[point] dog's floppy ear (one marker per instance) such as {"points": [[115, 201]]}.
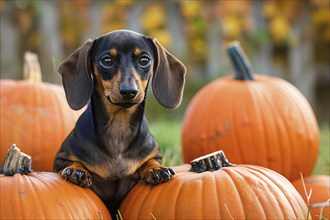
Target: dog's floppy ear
{"points": [[76, 76], [168, 78]]}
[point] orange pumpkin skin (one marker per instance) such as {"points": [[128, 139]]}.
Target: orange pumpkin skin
{"points": [[35, 116], [45, 195], [241, 192], [265, 121], [320, 186]]}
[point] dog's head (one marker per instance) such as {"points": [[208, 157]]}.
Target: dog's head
{"points": [[120, 64]]}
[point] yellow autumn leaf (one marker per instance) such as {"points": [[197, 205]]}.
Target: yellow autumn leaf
{"points": [[199, 46], [279, 28], [153, 17], [231, 26], [125, 3], [163, 36], [321, 16], [270, 9], [190, 9]]}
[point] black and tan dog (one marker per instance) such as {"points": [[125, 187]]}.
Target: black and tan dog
{"points": [[111, 148]]}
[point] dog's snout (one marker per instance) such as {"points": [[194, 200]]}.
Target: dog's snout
{"points": [[128, 92]]}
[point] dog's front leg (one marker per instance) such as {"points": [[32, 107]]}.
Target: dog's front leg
{"points": [[77, 173], [152, 172]]}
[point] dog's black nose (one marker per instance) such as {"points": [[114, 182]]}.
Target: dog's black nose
{"points": [[128, 93]]}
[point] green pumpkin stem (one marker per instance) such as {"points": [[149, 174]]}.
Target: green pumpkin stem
{"points": [[241, 64], [16, 162], [210, 162]]}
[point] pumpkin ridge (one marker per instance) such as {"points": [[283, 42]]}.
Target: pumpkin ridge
{"points": [[307, 126], [312, 124], [32, 187], [273, 176], [75, 212], [287, 159], [16, 180], [59, 192], [65, 204], [38, 100], [177, 208], [216, 190], [267, 185], [249, 96], [260, 117], [143, 202], [135, 192], [264, 118], [205, 112], [237, 141], [57, 99], [247, 207], [89, 205], [222, 203], [52, 185], [231, 173], [297, 162], [183, 179], [176, 211], [202, 195]]}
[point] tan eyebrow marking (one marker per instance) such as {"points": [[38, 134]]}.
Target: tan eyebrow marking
{"points": [[137, 52], [113, 52]]}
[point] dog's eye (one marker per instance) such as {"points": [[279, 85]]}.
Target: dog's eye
{"points": [[144, 61], [106, 62]]}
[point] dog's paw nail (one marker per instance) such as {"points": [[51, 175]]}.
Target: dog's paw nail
{"points": [[166, 175], [155, 177], [79, 174], [88, 182], [66, 172], [171, 171]]}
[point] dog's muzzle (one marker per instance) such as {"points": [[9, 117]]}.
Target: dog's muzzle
{"points": [[128, 93], [127, 102]]}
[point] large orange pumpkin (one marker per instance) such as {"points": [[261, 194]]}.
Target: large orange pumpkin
{"points": [[46, 195], [256, 119], [234, 192], [34, 115], [43, 195], [319, 186]]}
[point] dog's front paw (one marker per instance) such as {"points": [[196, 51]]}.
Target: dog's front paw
{"points": [[157, 175], [77, 176]]}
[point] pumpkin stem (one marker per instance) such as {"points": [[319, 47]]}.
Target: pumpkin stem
{"points": [[31, 68], [16, 162], [241, 64], [210, 162]]}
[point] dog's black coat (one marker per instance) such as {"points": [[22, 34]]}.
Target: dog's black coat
{"points": [[111, 148]]}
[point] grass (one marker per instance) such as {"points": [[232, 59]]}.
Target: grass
{"points": [[323, 162], [168, 135]]}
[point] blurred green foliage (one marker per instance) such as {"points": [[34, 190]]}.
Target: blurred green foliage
{"points": [[323, 162]]}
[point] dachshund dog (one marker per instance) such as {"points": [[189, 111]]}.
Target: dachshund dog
{"points": [[110, 147]]}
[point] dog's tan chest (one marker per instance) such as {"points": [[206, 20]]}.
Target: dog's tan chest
{"points": [[115, 168]]}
